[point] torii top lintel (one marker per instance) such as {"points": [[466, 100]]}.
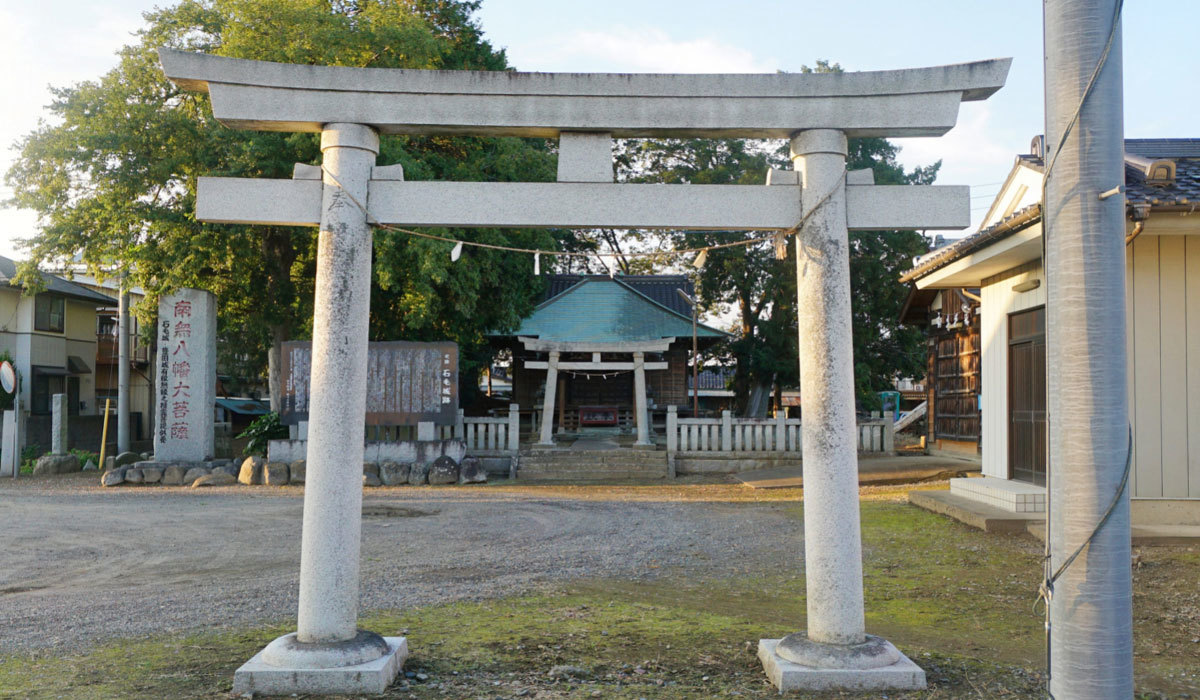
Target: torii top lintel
{"points": [[287, 97]]}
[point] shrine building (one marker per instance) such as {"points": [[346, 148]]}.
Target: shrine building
{"points": [[598, 348]]}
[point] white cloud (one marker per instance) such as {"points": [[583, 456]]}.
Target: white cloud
{"points": [[639, 50], [976, 152]]}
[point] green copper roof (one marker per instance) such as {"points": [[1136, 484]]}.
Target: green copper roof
{"points": [[607, 311]]}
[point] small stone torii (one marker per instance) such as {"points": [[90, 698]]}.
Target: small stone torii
{"points": [[351, 107]]}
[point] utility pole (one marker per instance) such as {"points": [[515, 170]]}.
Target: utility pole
{"points": [[1090, 604], [122, 368], [695, 357]]}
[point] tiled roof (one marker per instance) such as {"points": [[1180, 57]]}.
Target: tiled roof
{"points": [[660, 288], [1164, 148], [55, 284], [1017, 221], [602, 310], [1184, 191]]}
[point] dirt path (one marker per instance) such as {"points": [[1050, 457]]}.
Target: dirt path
{"points": [[81, 563]]}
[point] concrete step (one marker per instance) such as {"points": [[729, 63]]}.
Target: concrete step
{"points": [[522, 472], [568, 466], [567, 459], [590, 476], [590, 466]]}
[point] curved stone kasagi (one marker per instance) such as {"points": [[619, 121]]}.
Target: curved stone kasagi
{"points": [[287, 97]]}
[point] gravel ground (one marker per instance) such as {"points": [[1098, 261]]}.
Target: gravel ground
{"points": [[81, 564]]}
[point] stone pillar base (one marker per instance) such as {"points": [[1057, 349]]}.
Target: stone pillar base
{"points": [[787, 676], [258, 677]]}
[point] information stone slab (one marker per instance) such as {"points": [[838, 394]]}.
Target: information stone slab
{"points": [[407, 383], [186, 376], [58, 424]]}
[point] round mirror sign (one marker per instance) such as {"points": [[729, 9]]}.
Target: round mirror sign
{"points": [[8, 377]]}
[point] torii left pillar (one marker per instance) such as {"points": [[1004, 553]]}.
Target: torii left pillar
{"points": [[328, 653]]}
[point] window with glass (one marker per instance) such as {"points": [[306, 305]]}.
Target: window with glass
{"points": [[49, 313]]}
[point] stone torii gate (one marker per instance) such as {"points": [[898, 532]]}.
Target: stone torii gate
{"points": [[351, 107]]}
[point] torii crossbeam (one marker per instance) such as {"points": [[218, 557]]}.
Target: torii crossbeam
{"points": [[350, 107]]}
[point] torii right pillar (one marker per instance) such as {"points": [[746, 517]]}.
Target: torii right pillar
{"points": [[834, 652]]}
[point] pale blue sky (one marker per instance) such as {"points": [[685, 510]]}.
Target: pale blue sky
{"points": [[59, 42]]}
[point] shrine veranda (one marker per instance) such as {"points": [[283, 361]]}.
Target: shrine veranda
{"points": [[349, 192]]}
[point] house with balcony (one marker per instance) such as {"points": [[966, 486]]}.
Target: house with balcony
{"points": [[51, 337]]}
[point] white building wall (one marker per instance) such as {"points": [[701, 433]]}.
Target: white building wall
{"points": [[1163, 345], [1163, 307], [999, 300]]}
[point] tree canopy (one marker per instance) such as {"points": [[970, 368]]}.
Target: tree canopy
{"points": [[761, 289], [112, 176]]}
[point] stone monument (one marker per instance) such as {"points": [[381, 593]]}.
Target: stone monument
{"points": [[60, 460], [819, 201], [186, 376]]}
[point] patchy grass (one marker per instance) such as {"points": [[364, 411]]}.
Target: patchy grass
{"points": [[956, 600]]}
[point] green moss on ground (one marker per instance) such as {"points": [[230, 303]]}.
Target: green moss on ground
{"points": [[956, 600]]}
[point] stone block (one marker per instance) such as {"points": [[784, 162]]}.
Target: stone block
{"points": [[151, 475], [133, 475], [90, 466], [394, 473], [215, 479], [251, 472], [370, 468], [296, 471], [371, 480], [276, 474], [429, 451], [418, 474], [471, 471], [788, 676], [126, 458], [113, 478], [443, 471], [173, 475], [404, 452], [257, 677], [56, 464], [110, 463], [190, 476], [58, 424], [286, 450], [455, 449]]}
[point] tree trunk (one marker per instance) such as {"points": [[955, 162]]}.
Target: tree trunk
{"points": [[279, 334]]}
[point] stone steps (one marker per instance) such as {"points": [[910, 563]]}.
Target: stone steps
{"points": [[580, 477], [606, 465]]}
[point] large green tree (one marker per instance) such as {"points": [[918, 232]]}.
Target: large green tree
{"points": [[112, 176], [761, 288]]}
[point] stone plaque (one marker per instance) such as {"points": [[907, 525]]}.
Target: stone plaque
{"points": [[186, 376], [407, 383]]}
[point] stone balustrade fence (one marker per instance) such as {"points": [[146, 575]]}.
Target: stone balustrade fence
{"points": [[778, 434], [487, 437]]}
